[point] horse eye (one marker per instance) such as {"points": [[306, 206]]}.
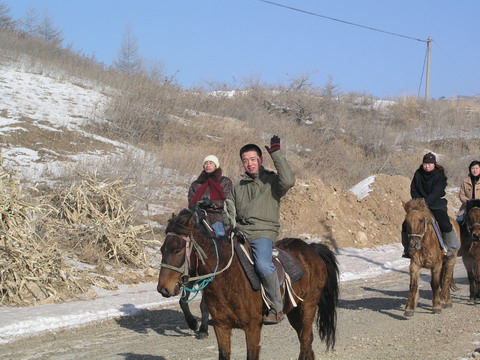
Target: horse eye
{"points": [[177, 251]]}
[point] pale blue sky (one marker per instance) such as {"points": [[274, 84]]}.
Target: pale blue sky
{"points": [[229, 42]]}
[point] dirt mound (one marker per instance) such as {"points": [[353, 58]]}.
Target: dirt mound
{"points": [[313, 210]]}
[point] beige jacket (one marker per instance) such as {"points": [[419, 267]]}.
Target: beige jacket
{"points": [[466, 191]]}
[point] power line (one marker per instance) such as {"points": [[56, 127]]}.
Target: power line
{"points": [[342, 21]]}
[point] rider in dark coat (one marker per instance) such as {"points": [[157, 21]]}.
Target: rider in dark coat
{"points": [[429, 183]]}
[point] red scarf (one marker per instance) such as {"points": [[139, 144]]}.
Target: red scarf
{"points": [[216, 191]]}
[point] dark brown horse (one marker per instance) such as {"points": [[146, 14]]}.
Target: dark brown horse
{"points": [[190, 253], [425, 252], [471, 248]]}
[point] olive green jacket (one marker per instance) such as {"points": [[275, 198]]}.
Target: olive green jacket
{"points": [[257, 199]]}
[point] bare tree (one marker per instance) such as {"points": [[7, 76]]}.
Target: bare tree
{"points": [[6, 21], [128, 60], [47, 31], [30, 21]]}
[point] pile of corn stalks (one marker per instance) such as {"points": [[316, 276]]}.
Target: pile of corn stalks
{"points": [[31, 269], [93, 213]]}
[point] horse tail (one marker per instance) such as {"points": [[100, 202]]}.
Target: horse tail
{"points": [[327, 305]]}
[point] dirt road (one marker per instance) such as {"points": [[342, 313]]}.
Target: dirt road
{"points": [[370, 326]]}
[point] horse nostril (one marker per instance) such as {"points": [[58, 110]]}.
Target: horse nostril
{"points": [[164, 292]]}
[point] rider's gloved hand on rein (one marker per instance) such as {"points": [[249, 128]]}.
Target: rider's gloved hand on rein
{"points": [[205, 203], [274, 144]]}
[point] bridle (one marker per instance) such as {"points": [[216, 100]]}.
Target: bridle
{"points": [[471, 226], [420, 237], [191, 246]]}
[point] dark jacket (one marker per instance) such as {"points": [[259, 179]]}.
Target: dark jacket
{"points": [[257, 199], [216, 209], [431, 187]]}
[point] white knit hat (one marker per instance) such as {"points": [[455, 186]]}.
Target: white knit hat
{"points": [[213, 159]]}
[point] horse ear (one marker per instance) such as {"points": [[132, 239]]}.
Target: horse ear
{"points": [[404, 204]]}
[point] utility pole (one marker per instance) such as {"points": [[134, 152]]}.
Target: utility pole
{"points": [[427, 85]]}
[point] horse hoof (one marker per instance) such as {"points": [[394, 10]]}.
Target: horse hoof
{"points": [[471, 301], [447, 305], [408, 313], [436, 311], [201, 335]]}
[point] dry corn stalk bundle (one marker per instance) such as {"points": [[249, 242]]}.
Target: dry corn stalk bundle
{"points": [[31, 270], [95, 211]]}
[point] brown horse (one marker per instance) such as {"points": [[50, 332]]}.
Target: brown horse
{"points": [[471, 248], [189, 253], [425, 252]]}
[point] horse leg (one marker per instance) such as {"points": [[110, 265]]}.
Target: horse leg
{"points": [[413, 290], [203, 330], [224, 335], [468, 261], [435, 284], [252, 337], [191, 321], [301, 318], [447, 281]]}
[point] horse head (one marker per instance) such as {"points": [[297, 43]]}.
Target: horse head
{"points": [[183, 253], [174, 272], [473, 219], [417, 217]]}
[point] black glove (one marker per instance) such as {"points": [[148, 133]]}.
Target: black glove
{"points": [[195, 208], [206, 203], [274, 144]]}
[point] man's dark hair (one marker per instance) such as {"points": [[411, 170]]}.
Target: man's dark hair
{"points": [[250, 147]]}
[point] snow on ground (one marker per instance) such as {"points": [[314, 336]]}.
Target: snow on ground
{"points": [[47, 99], [362, 189], [129, 300]]}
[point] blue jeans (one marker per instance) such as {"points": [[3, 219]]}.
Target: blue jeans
{"points": [[262, 256], [219, 229]]}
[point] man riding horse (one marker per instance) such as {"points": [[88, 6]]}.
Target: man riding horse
{"points": [[256, 200]]}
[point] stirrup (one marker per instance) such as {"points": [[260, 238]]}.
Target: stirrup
{"points": [[449, 255]]}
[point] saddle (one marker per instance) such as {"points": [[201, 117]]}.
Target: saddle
{"points": [[288, 269]]}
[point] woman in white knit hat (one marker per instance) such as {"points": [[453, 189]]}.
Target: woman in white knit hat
{"points": [[209, 192]]}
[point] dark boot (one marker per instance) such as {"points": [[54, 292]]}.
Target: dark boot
{"points": [[272, 290], [451, 241], [406, 244]]}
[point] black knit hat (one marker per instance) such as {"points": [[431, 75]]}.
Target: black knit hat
{"points": [[429, 158]]}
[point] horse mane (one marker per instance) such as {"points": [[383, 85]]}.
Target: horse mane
{"points": [[473, 203], [180, 224], [417, 204], [184, 223]]}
